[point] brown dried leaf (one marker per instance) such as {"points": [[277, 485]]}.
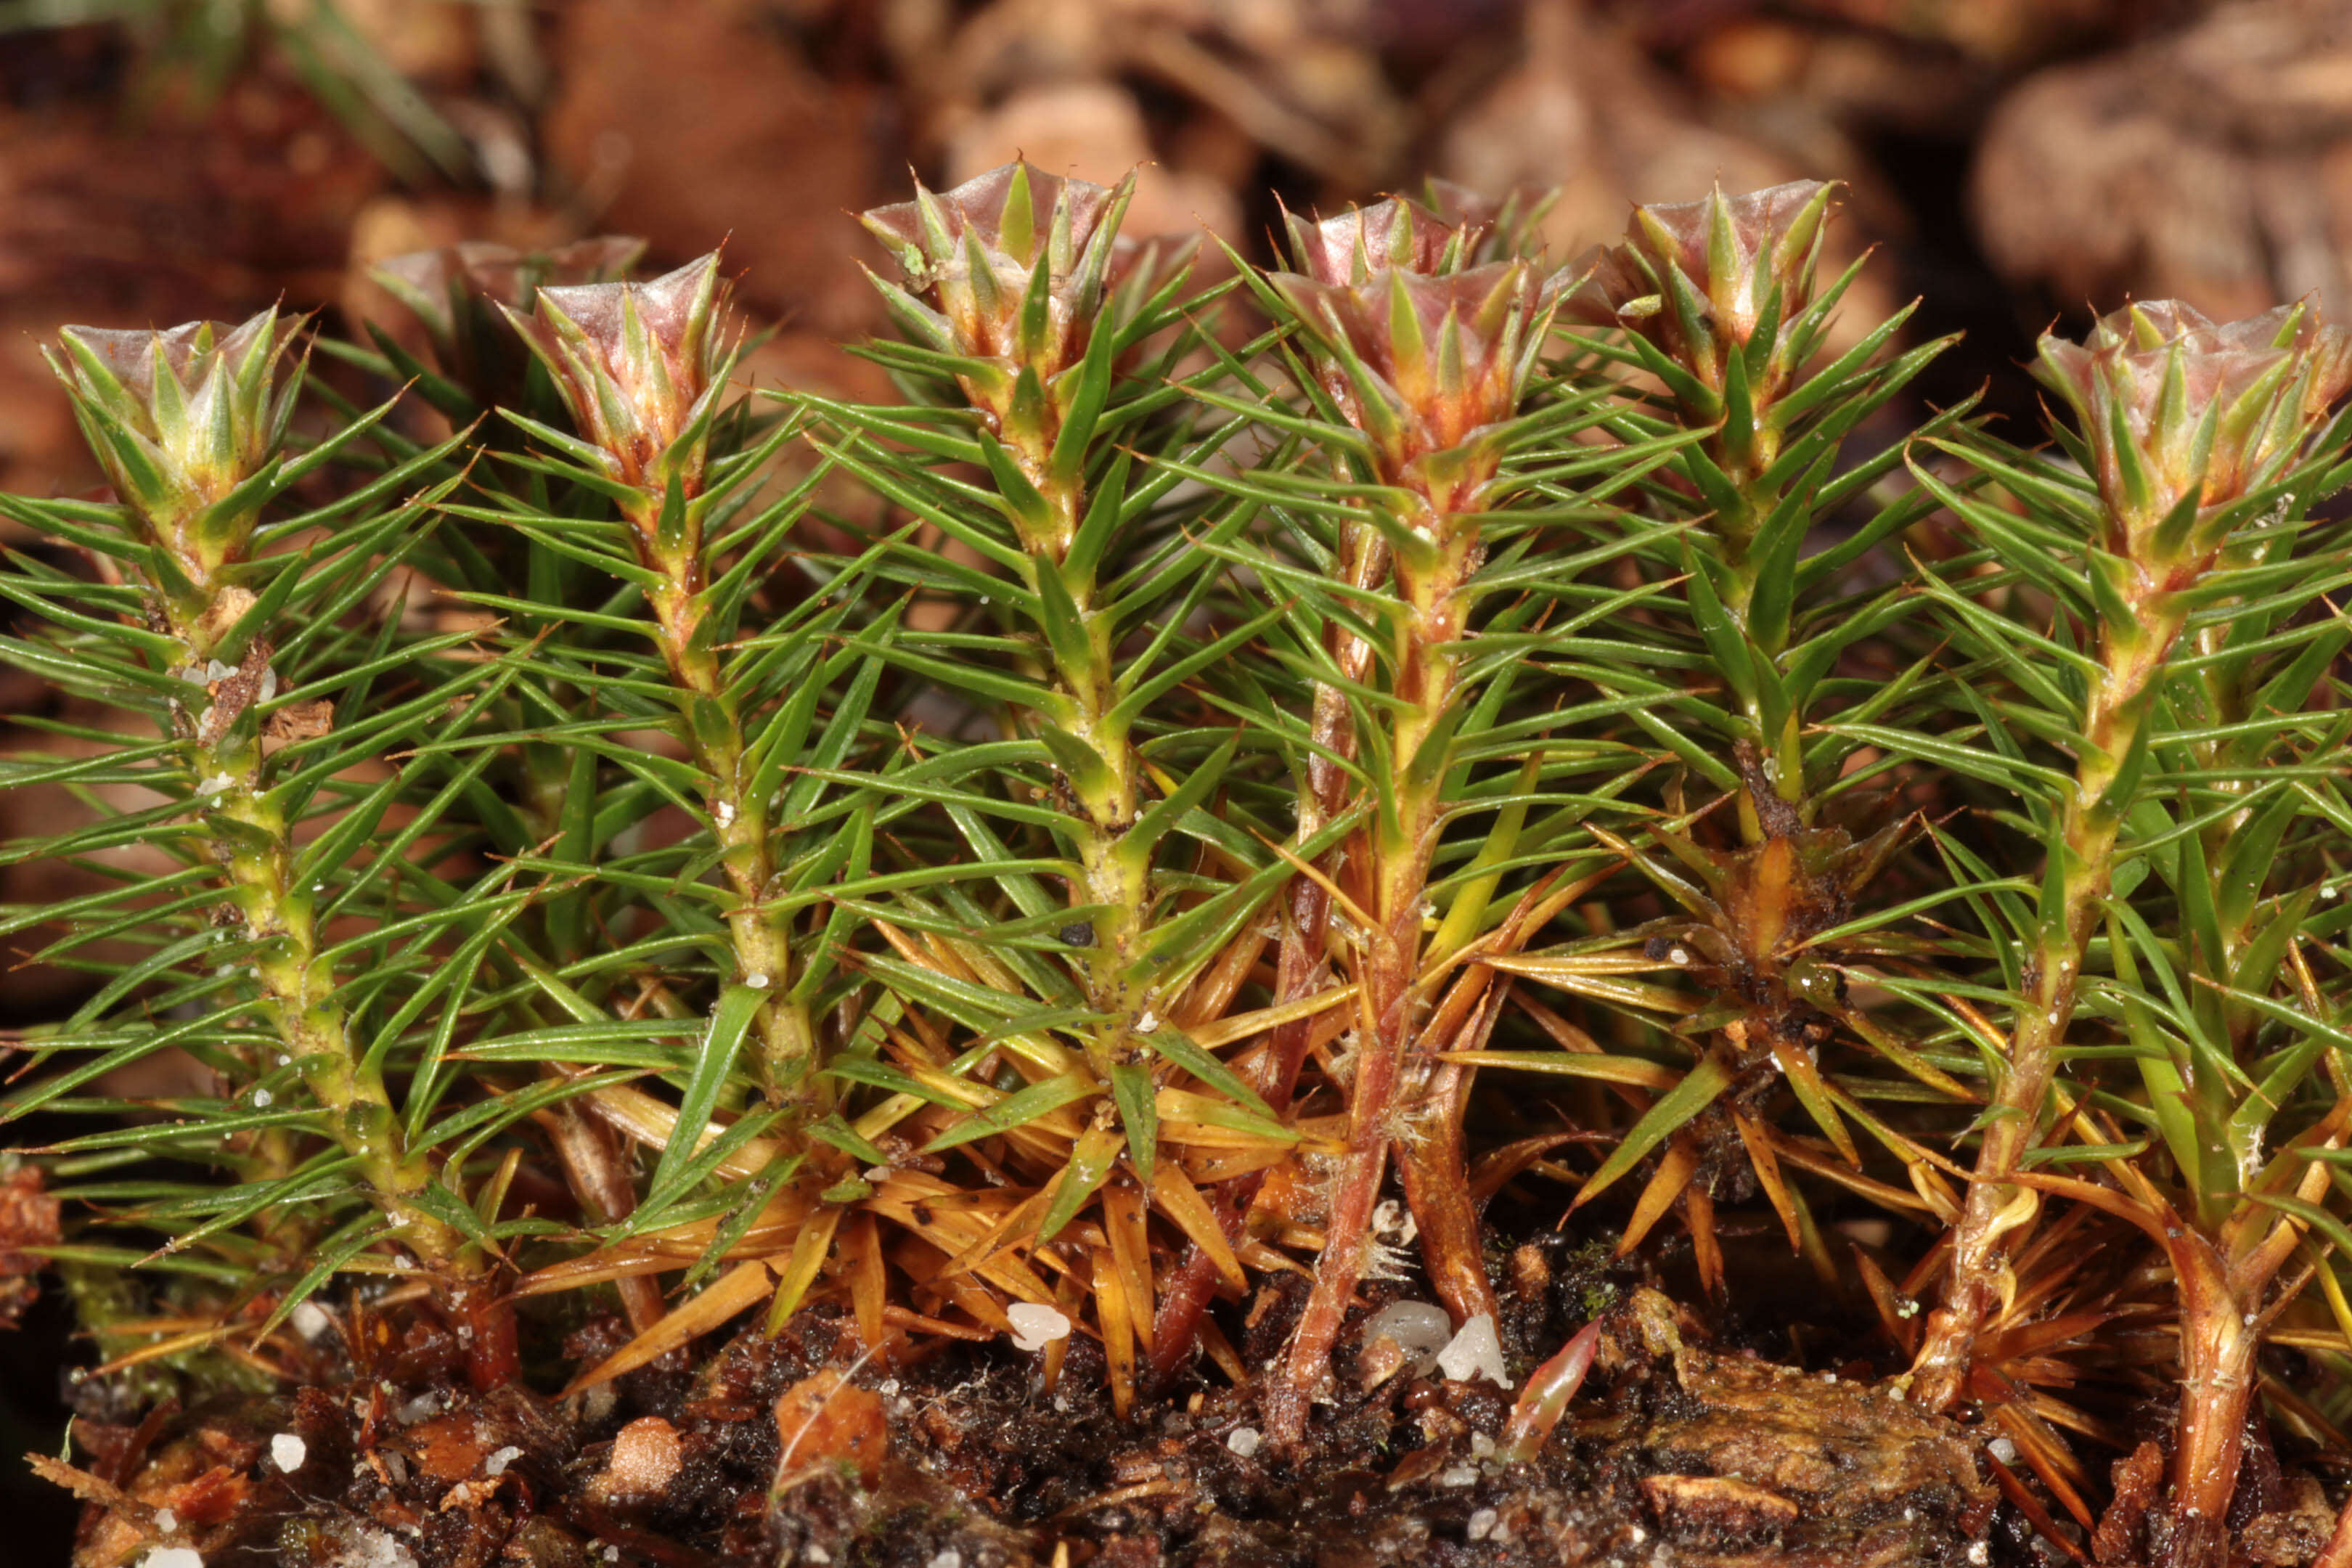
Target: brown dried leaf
{"points": [[826, 1420], [298, 722], [28, 1218], [2138, 1479], [731, 1293]]}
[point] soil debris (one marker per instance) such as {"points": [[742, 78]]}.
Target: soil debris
{"points": [[28, 1218], [806, 1449]]}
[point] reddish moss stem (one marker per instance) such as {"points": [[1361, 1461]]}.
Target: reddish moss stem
{"points": [[1303, 968], [1391, 1098]]}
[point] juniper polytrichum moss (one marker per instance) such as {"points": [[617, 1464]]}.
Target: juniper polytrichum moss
{"points": [[1230, 771]]}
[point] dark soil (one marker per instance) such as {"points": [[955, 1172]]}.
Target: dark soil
{"points": [[802, 1450]]}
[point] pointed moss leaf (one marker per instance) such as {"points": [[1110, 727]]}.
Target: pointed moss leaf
{"points": [[832, 1130], [1092, 541], [1016, 1110], [1699, 1088], [1724, 636], [2248, 856], [1067, 463], [714, 1065], [1172, 1045], [1135, 846], [1022, 504], [1087, 773], [1137, 1097], [1065, 625], [1779, 540], [1092, 1160]]}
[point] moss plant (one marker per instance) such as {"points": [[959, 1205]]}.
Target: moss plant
{"points": [[1232, 773]]}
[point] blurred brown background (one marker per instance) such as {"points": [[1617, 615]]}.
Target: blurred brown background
{"points": [[2019, 160]]}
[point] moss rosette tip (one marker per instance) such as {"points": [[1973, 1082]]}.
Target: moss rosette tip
{"points": [[971, 257], [1422, 363], [455, 292], [1693, 277], [2176, 410], [640, 367], [178, 418], [1395, 235]]}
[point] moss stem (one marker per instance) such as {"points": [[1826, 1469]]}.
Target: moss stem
{"points": [[251, 840], [1391, 1102], [2131, 660], [712, 727]]}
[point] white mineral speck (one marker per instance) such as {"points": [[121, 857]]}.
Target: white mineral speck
{"points": [[950, 1558], [290, 1451], [816, 1555], [261, 1098], [1458, 1475], [1243, 1440], [166, 1521], [173, 1557], [309, 1320], [1481, 1525], [1420, 1330], [877, 1172], [213, 786], [1149, 1022], [2003, 1449], [374, 1549], [1035, 1327], [756, 982], [1637, 1535], [724, 815], [1678, 954], [496, 1465], [1476, 1351], [1980, 1553]]}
